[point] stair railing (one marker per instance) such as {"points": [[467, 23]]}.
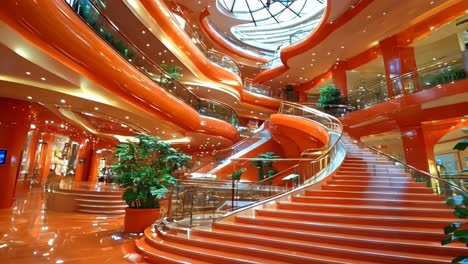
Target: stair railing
{"points": [[438, 185]]}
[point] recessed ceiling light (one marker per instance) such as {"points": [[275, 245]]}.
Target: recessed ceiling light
{"points": [[42, 78], [28, 73], [63, 101], [147, 44], [29, 97], [143, 32], [96, 108], [127, 117]]}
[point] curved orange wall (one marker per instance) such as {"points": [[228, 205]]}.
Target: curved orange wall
{"points": [[61, 34], [158, 10]]}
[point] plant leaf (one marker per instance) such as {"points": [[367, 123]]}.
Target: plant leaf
{"points": [[451, 228]]}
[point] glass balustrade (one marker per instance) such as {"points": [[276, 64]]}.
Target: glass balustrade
{"points": [[214, 56], [422, 79], [444, 187], [290, 96], [90, 12], [198, 202]]}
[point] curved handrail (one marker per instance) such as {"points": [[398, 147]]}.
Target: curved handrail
{"points": [[413, 169], [164, 79]]}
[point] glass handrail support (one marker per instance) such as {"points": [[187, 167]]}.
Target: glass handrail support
{"points": [[93, 15]]}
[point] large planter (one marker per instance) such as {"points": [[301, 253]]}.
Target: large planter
{"points": [[136, 220]]}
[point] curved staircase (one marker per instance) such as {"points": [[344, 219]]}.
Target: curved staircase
{"points": [[370, 211]]}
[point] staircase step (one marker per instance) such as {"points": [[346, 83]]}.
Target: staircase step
{"points": [[374, 201], [400, 190], [372, 178], [366, 209], [371, 220], [368, 173], [313, 251], [205, 252], [376, 183], [91, 211], [284, 237], [373, 194], [93, 201], [155, 255]]}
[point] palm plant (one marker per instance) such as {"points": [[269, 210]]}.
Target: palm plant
{"points": [[264, 165]]}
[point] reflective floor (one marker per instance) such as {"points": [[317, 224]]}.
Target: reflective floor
{"points": [[29, 233]]}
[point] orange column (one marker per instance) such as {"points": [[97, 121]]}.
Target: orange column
{"points": [[45, 160], [31, 153], [414, 146], [339, 77], [399, 60], [84, 160], [14, 127]]}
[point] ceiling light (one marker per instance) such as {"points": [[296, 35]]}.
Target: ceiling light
{"points": [[28, 73], [127, 117], [143, 32], [29, 97], [147, 45], [96, 108], [42, 78], [63, 101]]}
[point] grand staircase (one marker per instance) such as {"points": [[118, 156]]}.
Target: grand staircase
{"points": [[370, 211]]}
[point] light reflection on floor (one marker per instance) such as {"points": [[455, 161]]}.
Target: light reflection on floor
{"points": [[29, 233]]}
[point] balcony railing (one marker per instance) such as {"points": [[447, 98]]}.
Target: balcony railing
{"points": [[422, 79], [93, 15], [268, 91]]}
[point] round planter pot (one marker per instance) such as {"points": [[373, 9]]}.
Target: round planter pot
{"points": [[137, 220]]}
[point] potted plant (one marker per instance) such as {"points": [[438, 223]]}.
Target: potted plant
{"points": [[265, 167], [329, 94], [235, 177], [145, 171]]}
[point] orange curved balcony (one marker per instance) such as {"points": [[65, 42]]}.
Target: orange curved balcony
{"points": [[54, 34]]}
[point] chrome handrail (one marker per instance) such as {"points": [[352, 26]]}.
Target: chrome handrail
{"points": [[424, 173]]}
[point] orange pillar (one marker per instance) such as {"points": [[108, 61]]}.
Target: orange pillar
{"points": [[84, 160], [30, 155], [399, 60], [14, 127], [414, 146], [45, 160], [339, 77]]}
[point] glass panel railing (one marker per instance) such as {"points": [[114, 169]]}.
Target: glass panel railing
{"points": [[290, 96], [336, 110], [214, 56], [273, 63], [219, 198], [92, 14], [439, 185], [422, 79], [203, 167]]}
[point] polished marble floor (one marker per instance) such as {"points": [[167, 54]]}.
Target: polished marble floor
{"points": [[29, 233]]}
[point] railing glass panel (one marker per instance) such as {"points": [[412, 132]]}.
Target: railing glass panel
{"points": [[220, 197], [91, 13]]}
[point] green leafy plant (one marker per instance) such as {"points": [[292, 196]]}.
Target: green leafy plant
{"points": [[172, 71], [453, 231], [85, 9], [329, 95], [265, 167], [236, 176], [145, 169]]}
